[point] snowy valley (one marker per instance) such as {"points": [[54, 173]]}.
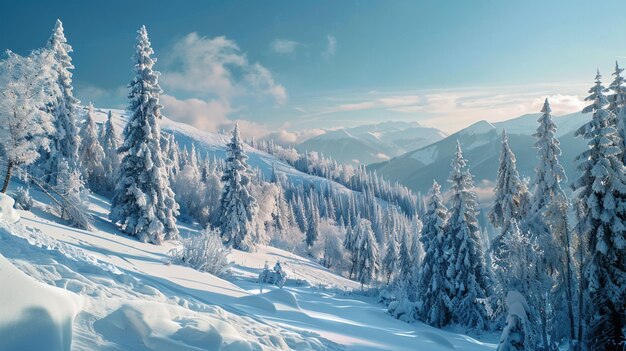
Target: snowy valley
{"points": [[136, 228]]}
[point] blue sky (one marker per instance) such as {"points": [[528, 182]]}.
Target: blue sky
{"points": [[298, 66]]}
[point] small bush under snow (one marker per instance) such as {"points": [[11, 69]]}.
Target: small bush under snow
{"points": [[276, 276], [204, 252], [23, 200]]}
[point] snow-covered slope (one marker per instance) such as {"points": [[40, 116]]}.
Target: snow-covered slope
{"points": [[373, 142], [481, 146], [213, 144], [133, 299]]}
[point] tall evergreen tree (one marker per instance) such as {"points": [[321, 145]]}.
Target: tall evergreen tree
{"points": [[547, 222], [434, 287], [467, 266], [601, 189], [617, 100], [111, 161], [549, 173], [366, 267], [511, 199], [91, 154], [238, 207], [143, 202], [312, 231], [390, 261], [64, 140]]}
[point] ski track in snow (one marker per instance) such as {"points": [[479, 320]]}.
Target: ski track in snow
{"points": [[134, 300]]}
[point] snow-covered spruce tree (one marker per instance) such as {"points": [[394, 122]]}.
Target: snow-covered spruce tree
{"points": [[617, 100], [64, 140], [91, 154], [601, 189], [390, 261], [350, 243], [312, 231], [467, 268], [280, 220], [111, 161], [366, 267], [511, 202], [405, 267], [416, 249], [433, 288], [143, 202], [237, 206], [26, 85], [547, 221]]}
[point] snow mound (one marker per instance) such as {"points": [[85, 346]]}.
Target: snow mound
{"points": [[257, 301], [154, 326], [516, 304], [34, 316], [7, 212], [282, 297]]}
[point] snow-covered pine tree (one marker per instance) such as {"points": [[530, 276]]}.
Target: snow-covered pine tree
{"points": [[390, 261], [238, 207], [617, 100], [64, 140], [143, 202], [312, 231], [111, 161], [548, 173], [26, 84], [350, 243], [415, 226], [547, 221], [434, 286], [601, 189], [405, 262], [366, 267], [91, 154], [511, 201], [467, 267]]}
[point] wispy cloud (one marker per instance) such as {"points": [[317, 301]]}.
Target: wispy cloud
{"points": [[451, 109], [331, 47], [284, 46], [218, 67], [214, 74]]}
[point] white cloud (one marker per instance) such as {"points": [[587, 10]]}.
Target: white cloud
{"points": [[209, 115], [453, 109], [286, 137], [331, 47], [216, 75], [284, 46], [216, 66]]}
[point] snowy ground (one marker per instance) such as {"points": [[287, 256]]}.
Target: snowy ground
{"points": [[128, 297]]}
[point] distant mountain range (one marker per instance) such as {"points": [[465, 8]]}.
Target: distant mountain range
{"points": [[373, 142], [481, 143]]}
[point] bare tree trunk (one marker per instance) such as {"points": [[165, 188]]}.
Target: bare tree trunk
{"points": [[569, 283], [581, 283], [7, 178]]}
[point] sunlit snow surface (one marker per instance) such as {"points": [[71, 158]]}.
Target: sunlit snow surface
{"points": [[132, 300]]}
